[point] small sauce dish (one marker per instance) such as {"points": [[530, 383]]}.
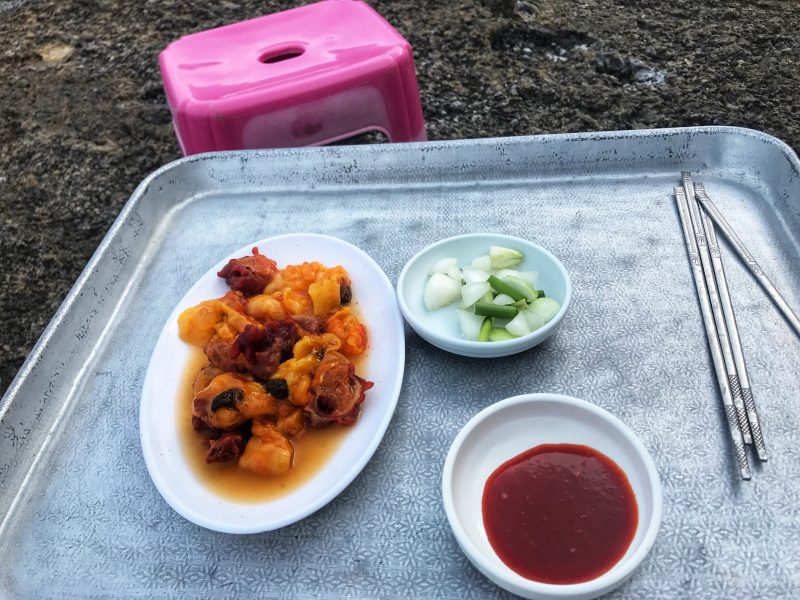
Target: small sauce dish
{"points": [[512, 426], [441, 328]]}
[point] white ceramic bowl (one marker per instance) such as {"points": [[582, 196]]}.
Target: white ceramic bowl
{"points": [[441, 328], [164, 456], [507, 428]]}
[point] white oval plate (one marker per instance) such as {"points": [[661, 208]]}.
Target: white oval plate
{"points": [[157, 417]]}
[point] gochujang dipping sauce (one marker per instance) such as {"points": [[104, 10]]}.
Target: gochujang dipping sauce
{"points": [[559, 513]]}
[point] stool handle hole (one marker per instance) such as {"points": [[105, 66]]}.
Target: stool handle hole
{"points": [[276, 56]]}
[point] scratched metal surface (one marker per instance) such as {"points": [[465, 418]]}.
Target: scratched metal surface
{"points": [[81, 518]]}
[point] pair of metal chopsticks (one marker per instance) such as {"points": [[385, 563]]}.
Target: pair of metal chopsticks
{"points": [[718, 315]]}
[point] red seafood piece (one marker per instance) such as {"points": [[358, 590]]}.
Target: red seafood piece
{"points": [[249, 274], [310, 324], [264, 348], [203, 428], [336, 392], [219, 354], [229, 446]]}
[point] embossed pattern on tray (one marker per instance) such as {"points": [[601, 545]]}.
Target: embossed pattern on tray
{"points": [[89, 523]]}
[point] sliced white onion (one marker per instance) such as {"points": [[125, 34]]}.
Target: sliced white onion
{"points": [[530, 277], [503, 258], [470, 324], [518, 325], [486, 299], [483, 263], [501, 273], [521, 286], [472, 292], [534, 320], [547, 308], [474, 275], [454, 273], [441, 290], [443, 265], [503, 300]]}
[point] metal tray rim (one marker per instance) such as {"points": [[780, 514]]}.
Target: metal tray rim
{"points": [[140, 190], [333, 157]]}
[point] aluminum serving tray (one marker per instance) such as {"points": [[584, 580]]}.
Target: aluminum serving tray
{"points": [[81, 518]]}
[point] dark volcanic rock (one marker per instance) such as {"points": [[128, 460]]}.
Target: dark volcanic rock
{"points": [[83, 117], [628, 70]]}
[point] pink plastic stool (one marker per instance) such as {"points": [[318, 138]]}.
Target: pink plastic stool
{"points": [[303, 77]]}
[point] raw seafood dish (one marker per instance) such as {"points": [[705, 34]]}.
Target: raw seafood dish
{"points": [[280, 347]]}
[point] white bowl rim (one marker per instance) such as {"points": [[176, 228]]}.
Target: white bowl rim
{"points": [[542, 332], [607, 580]]}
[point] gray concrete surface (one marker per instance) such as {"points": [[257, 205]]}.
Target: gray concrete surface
{"points": [[83, 117]]}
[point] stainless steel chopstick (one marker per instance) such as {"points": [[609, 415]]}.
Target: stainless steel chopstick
{"points": [[749, 261], [711, 334], [716, 306], [740, 378]]}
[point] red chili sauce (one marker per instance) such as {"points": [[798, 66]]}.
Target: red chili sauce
{"points": [[559, 513]]}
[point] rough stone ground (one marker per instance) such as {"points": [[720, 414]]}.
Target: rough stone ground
{"points": [[83, 117]]}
